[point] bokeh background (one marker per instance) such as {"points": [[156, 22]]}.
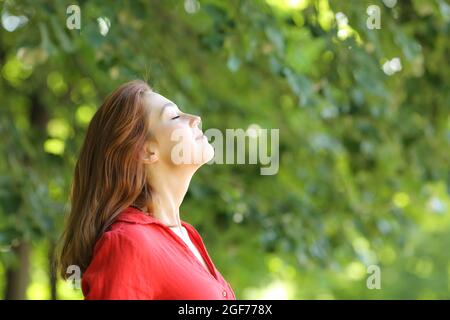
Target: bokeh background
{"points": [[363, 114]]}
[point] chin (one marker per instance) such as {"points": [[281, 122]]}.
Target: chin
{"points": [[203, 153], [208, 152]]}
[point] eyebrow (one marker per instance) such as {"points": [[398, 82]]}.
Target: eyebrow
{"points": [[169, 104]]}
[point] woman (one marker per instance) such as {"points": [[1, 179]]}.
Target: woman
{"points": [[124, 229]]}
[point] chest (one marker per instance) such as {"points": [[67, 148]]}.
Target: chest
{"points": [[184, 236], [183, 266]]}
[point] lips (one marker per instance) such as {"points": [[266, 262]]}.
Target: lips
{"points": [[199, 134]]}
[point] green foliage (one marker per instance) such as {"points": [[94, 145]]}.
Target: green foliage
{"points": [[364, 164]]}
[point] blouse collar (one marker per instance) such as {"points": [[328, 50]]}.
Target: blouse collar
{"points": [[134, 215]]}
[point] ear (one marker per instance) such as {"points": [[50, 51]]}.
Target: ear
{"points": [[150, 154]]}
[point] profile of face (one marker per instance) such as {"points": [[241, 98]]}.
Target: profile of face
{"points": [[175, 136]]}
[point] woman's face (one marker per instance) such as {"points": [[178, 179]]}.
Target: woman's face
{"points": [[175, 136]]}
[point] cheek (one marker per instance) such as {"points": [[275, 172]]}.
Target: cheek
{"points": [[173, 137]]}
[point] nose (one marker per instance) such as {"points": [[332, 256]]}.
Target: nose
{"points": [[195, 121]]}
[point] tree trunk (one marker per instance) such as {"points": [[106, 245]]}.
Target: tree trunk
{"points": [[17, 276], [52, 271]]}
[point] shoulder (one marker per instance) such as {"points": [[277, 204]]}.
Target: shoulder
{"points": [[136, 226], [130, 240], [122, 268], [126, 248], [134, 232]]}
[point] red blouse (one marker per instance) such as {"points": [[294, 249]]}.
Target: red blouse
{"points": [[139, 257]]}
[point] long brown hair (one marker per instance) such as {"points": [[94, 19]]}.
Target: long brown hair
{"points": [[109, 174]]}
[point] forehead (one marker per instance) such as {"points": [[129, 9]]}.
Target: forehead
{"points": [[155, 101]]}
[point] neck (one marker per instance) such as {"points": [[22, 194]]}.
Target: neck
{"points": [[168, 190]]}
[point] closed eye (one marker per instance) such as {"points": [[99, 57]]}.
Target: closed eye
{"points": [[175, 117]]}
